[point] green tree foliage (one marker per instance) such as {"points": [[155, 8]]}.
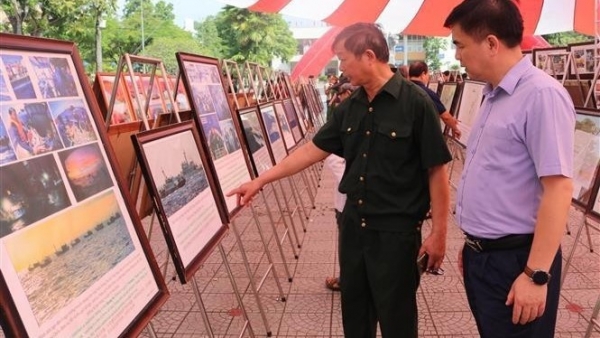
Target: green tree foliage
{"points": [[255, 37], [208, 36], [565, 38], [39, 17], [433, 46]]}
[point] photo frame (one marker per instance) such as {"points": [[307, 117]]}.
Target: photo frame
{"points": [[448, 94], [578, 90], [219, 131], [292, 117], [586, 157], [123, 109], [284, 125], [256, 138], [471, 96], [273, 131], [433, 85], [583, 59], [187, 198], [58, 274], [558, 57]]}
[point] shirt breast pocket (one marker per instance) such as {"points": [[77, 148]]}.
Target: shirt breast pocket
{"points": [[394, 141], [351, 138]]}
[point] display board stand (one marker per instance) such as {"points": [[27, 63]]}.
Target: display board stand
{"points": [[271, 269]]}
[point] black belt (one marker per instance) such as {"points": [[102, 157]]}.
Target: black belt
{"points": [[502, 243]]}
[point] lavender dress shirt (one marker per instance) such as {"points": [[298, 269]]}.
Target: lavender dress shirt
{"points": [[524, 131]]}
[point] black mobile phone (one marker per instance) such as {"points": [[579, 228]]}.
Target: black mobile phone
{"points": [[422, 263]]}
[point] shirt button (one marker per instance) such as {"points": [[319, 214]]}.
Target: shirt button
{"points": [[370, 109], [349, 129], [393, 134], [363, 224], [360, 202], [361, 178], [368, 133], [364, 154]]}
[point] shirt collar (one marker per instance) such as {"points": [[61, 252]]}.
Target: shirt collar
{"points": [[393, 87], [511, 79]]}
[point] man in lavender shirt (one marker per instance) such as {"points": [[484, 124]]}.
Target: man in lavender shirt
{"points": [[515, 190]]}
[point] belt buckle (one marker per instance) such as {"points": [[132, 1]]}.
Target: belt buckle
{"points": [[474, 244]]}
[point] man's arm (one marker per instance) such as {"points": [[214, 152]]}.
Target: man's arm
{"points": [[300, 159], [439, 190], [451, 122], [529, 299]]}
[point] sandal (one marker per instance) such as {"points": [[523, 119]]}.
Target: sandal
{"points": [[332, 283]]}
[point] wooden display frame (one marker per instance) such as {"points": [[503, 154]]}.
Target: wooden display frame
{"points": [[255, 137], [219, 131], [583, 59], [578, 91], [586, 164], [559, 59], [116, 292], [186, 196], [467, 108], [273, 132], [284, 126]]}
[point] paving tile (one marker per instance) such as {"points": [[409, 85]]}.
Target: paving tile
{"points": [[454, 323]]}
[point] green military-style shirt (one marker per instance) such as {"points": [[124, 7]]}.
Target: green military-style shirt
{"points": [[388, 144]]}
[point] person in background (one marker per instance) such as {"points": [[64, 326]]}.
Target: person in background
{"points": [[388, 132], [337, 165], [418, 73], [513, 199], [403, 71], [445, 76]]}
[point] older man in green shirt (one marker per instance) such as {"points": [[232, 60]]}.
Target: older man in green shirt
{"points": [[389, 134]]}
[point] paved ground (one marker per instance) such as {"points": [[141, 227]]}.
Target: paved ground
{"points": [[311, 310]]}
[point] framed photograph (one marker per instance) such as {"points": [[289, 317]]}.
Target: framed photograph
{"points": [[433, 85], [256, 139], [123, 110], [292, 117], [303, 120], [186, 196], [273, 131], [583, 59], [218, 130], [286, 130], [552, 60], [586, 158], [447, 97], [578, 90], [74, 258], [467, 109]]}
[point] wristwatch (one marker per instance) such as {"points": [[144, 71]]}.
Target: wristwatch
{"points": [[538, 277]]}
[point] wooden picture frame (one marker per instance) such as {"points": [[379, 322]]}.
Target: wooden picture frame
{"points": [[586, 157], [186, 196], [273, 131], [578, 90], [123, 110], [292, 116], [255, 136], [583, 58], [448, 93], [467, 108], [559, 58], [76, 260], [284, 125], [434, 85], [219, 131]]}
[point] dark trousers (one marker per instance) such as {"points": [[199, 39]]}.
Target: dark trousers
{"points": [[380, 280], [338, 221], [488, 278]]}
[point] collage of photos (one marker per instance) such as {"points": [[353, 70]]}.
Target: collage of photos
{"points": [[286, 131], [290, 112], [213, 109], [213, 114], [553, 61], [583, 58], [122, 108]]}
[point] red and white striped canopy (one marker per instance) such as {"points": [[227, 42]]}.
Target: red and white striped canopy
{"points": [[419, 17], [426, 17]]}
